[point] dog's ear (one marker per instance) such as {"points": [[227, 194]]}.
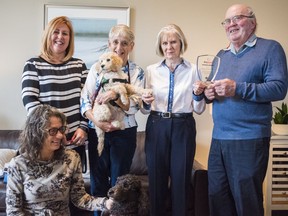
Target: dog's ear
{"points": [[143, 205], [116, 62]]}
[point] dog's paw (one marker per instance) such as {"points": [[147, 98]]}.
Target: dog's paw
{"points": [[147, 92], [124, 99], [116, 124]]}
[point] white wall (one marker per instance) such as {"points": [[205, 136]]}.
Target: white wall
{"points": [[21, 25]]}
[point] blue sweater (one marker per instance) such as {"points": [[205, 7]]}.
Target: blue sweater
{"points": [[260, 73]]}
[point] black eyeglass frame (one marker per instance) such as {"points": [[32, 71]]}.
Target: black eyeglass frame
{"points": [[236, 19], [54, 131]]}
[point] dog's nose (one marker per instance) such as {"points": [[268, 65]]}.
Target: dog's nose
{"points": [[102, 66]]}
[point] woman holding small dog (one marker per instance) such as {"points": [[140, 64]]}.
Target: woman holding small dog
{"points": [[45, 177], [171, 131], [56, 78], [120, 145]]}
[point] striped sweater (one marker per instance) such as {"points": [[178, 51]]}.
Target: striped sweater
{"points": [[58, 85]]}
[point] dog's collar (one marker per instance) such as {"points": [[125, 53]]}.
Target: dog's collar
{"points": [[106, 81], [113, 80]]}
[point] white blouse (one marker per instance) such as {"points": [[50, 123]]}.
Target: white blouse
{"points": [[158, 79]]}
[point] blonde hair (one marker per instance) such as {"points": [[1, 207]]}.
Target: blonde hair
{"points": [[171, 28], [121, 30], [46, 51]]}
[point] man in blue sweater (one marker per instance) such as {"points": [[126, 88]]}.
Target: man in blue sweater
{"points": [[252, 74]]}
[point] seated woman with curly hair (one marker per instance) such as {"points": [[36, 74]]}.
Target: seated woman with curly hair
{"points": [[46, 176]]}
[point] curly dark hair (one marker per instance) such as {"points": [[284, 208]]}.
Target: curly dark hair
{"points": [[129, 197], [35, 131]]}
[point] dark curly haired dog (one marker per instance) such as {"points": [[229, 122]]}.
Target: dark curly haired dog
{"points": [[130, 199]]}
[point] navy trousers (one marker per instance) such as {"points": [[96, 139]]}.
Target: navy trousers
{"points": [[115, 160], [236, 171], [170, 149]]}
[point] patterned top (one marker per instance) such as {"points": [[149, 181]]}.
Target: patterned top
{"points": [[58, 85], [89, 92], [45, 187]]}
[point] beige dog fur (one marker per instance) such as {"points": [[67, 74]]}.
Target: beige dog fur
{"points": [[109, 67]]}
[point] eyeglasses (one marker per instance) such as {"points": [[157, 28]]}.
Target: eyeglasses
{"points": [[235, 19], [123, 43], [54, 131]]}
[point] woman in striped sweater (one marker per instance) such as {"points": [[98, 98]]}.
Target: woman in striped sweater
{"points": [[56, 78]]}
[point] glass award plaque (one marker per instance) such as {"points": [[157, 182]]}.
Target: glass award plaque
{"points": [[207, 67]]}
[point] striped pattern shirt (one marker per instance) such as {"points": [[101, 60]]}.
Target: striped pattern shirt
{"points": [[58, 85]]}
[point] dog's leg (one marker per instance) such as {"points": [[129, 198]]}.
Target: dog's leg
{"points": [[116, 124], [132, 89], [121, 90], [118, 117], [100, 135], [101, 113]]}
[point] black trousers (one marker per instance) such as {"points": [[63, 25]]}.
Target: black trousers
{"points": [[170, 149]]}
